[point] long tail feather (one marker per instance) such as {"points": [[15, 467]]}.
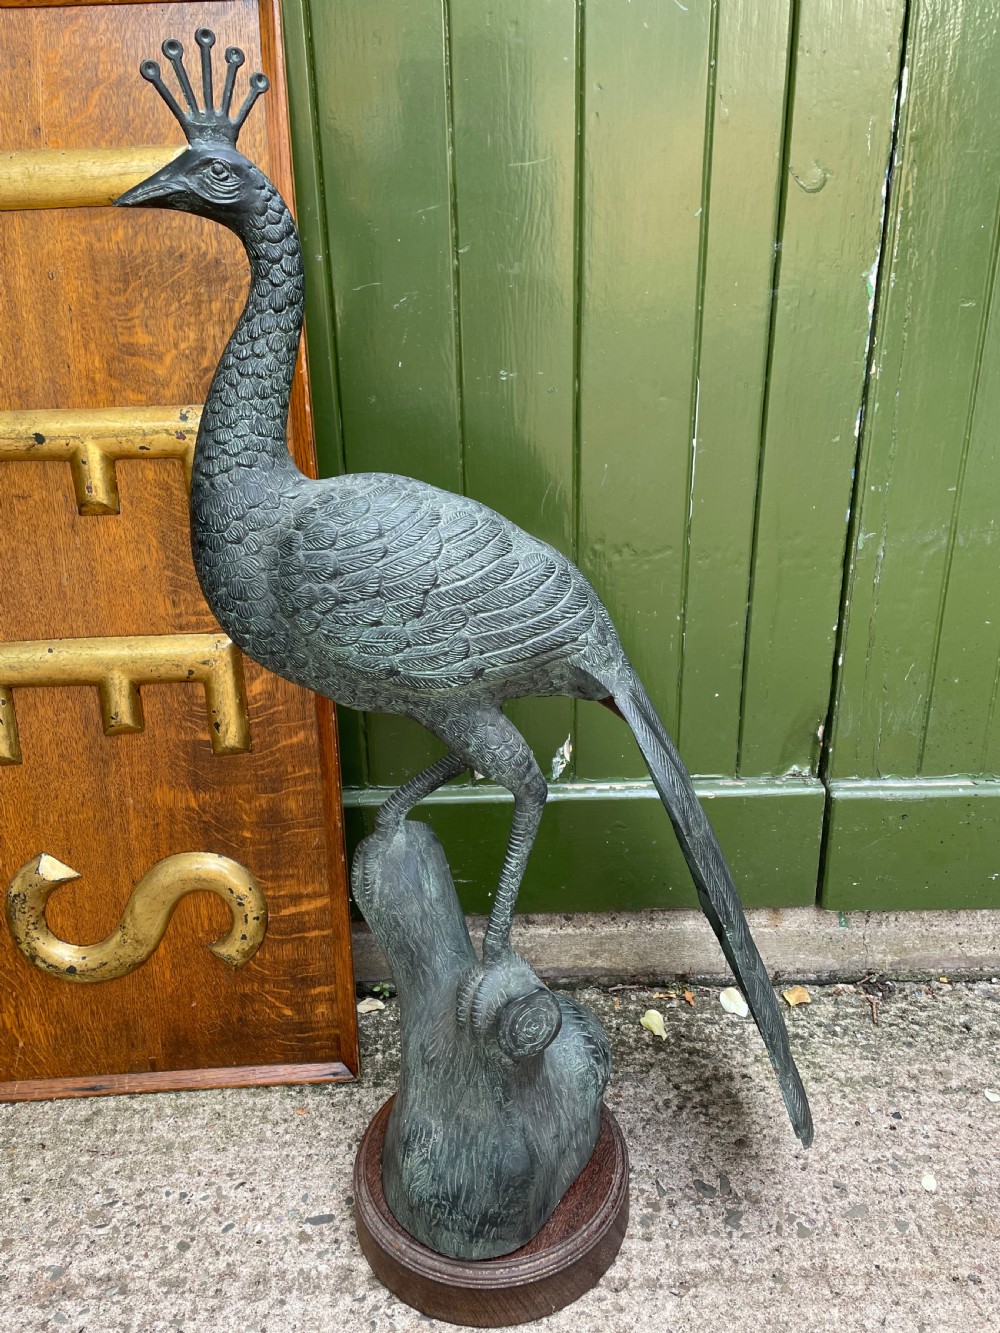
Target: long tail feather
{"points": [[716, 890]]}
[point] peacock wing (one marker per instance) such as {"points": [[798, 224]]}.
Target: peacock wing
{"points": [[405, 582]]}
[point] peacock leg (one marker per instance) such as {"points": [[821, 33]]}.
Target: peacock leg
{"points": [[491, 744], [395, 808], [529, 790]]}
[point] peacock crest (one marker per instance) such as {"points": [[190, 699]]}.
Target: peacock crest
{"points": [[206, 124]]}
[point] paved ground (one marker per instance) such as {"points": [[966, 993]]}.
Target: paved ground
{"points": [[230, 1211]]}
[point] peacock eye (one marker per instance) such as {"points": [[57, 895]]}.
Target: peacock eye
{"points": [[219, 182]]}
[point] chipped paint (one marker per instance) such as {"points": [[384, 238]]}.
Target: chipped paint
{"points": [[561, 759]]}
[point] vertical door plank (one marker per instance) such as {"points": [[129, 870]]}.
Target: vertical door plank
{"points": [[846, 71], [747, 122], [514, 96], [644, 88], [383, 130], [916, 698], [930, 343], [963, 734]]}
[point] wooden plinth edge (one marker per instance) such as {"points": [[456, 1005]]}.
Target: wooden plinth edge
{"points": [[172, 1080], [570, 1254]]}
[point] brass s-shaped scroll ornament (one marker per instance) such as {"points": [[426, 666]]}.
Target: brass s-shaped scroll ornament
{"points": [[144, 920]]}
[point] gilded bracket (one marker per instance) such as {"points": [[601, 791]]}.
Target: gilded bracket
{"points": [[92, 441], [119, 667], [144, 920]]}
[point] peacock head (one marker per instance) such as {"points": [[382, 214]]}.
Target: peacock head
{"points": [[211, 177]]}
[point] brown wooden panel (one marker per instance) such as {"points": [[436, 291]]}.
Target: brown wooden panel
{"points": [[125, 309]]}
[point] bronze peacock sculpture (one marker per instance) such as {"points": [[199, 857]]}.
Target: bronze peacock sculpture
{"points": [[387, 594]]}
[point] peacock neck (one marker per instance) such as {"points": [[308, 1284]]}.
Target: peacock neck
{"points": [[243, 428], [243, 474]]}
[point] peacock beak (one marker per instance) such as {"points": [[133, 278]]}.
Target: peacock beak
{"points": [[155, 191], [147, 193]]}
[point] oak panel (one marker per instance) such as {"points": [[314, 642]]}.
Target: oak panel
{"points": [[127, 309]]}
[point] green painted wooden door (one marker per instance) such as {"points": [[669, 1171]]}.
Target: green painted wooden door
{"points": [[610, 267], [914, 808]]}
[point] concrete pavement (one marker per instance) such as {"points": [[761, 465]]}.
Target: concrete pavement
{"points": [[230, 1211]]}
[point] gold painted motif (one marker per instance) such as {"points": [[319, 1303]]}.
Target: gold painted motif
{"points": [[93, 440], [75, 177], [119, 667], [144, 920]]}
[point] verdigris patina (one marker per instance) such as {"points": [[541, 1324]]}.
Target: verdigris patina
{"points": [[501, 1081], [387, 594]]}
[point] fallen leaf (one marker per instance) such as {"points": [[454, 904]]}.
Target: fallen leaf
{"points": [[928, 1182], [733, 1002], [652, 1020], [944, 981], [616, 1002], [797, 995], [991, 1094], [302, 1110], [689, 998], [369, 1005], [664, 995]]}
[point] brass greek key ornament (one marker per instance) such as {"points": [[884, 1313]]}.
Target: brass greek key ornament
{"points": [[144, 920], [93, 440], [118, 667]]}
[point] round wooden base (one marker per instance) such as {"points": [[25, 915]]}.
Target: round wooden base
{"points": [[570, 1254]]}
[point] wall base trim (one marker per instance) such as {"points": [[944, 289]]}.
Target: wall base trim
{"points": [[913, 843], [610, 845], [798, 944]]}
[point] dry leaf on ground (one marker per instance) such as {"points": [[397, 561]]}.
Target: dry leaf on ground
{"points": [[991, 1094], [797, 995], [369, 1005], [652, 1020], [689, 998], [733, 1002]]}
